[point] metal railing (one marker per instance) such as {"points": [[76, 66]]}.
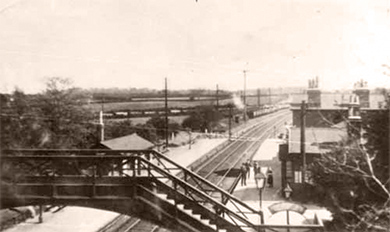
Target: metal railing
{"points": [[102, 167], [127, 163]]}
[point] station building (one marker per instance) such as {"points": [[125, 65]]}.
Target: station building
{"points": [[128, 142], [330, 118]]}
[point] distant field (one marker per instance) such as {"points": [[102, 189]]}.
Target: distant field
{"points": [[264, 100], [173, 103], [118, 106], [135, 121]]}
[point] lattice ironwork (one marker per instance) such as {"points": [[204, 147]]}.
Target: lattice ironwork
{"points": [[98, 173]]}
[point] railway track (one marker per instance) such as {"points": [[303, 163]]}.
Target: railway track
{"points": [[222, 169]]}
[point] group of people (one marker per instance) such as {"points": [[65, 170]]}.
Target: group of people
{"points": [[246, 172]]}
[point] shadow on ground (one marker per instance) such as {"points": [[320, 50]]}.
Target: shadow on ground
{"points": [[231, 173], [248, 194]]}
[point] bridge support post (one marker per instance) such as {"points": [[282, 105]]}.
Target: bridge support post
{"points": [[40, 217], [288, 217], [149, 169], [94, 173], [185, 180], [120, 168], [175, 198], [53, 186], [133, 177]]}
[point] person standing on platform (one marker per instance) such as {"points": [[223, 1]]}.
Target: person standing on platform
{"points": [[270, 178], [256, 168], [243, 174], [248, 168]]}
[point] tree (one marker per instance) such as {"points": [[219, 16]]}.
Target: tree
{"points": [[123, 128], [118, 129], [21, 126], [147, 131], [375, 127], [159, 124], [195, 121], [202, 118], [52, 119], [353, 193], [68, 123], [354, 178]]}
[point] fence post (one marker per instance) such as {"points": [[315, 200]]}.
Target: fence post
{"points": [[40, 218], [53, 186], [93, 192]]}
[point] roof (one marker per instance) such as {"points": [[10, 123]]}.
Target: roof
{"points": [[128, 142], [333, 100], [318, 140]]}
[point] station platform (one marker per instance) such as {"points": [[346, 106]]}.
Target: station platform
{"points": [[267, 156], [75, 219]]}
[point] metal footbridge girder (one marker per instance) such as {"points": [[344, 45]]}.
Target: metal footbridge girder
{"points": [[138, 179]]}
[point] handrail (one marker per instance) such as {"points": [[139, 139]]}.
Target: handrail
{"points": [[225, 195], [149, 166], [207, 182], [137, 152], [199, 193]]}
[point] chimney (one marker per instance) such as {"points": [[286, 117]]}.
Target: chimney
{"points": [[314, 94], [100, 127], [354, 118], [361, 90]]}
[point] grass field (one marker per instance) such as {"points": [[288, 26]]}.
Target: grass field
{"points": [[142, 105], [134, 105], [135, 121]]}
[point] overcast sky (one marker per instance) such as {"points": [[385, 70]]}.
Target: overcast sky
{"points": [[137, 43]]}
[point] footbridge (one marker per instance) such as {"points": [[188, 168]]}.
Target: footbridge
{"points": [[139, 183], [144, 184]]}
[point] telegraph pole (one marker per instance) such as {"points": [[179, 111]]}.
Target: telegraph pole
{"points": [[189, 138], [303, 139], [217, 98], [269, 96], [100, 129], [230, 122], [166, 115], [245, 95], [388, 109], [103, 104], [258, 97]]}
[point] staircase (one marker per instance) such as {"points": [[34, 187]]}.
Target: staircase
{"points": [[191, 195]]}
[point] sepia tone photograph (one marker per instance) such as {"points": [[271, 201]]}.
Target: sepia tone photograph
{"points": [[194, 115]]}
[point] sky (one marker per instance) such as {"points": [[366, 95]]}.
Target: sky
{"points": [[194, 44]]}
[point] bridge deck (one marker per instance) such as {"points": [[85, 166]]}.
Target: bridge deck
{"points": [[96, 218]]}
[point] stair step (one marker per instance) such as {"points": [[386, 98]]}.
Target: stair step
{"points": [[213, 226], [197, 216], [162, 195], [181, 207], [165, 197], [208, 222], [170, 201]]}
